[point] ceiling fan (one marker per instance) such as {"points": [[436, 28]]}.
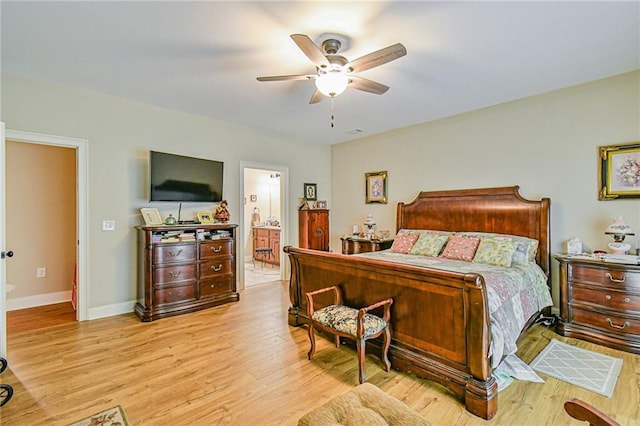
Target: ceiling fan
{"points": [[334, 72]]}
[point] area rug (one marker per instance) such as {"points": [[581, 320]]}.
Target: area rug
{"points": [[114, 416], [581, 367]]}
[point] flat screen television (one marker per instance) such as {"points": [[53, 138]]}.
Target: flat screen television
{"points": [[181, 179]]}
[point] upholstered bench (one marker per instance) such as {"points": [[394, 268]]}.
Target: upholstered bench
{"points": [[363, 405], [356, 324]]}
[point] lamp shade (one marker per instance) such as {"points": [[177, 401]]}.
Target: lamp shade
{"points": [[332, 83], [619, 227]]}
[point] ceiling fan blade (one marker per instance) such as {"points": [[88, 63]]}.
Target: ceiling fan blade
{"points": [[316, 97], [377, 58], [310, 49], [287, 77], [367, 85]]}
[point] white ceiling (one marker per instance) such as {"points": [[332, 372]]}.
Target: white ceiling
{"points": [[204, 57]]}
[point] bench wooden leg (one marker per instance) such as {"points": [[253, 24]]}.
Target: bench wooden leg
{"points": [[312, 339], [361, 345], [385, 348]]}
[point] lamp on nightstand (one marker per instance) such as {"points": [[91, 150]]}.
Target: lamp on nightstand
{"points": [[619, 229]]}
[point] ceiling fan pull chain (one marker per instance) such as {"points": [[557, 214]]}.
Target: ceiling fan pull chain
{"points": [[332, 116]]}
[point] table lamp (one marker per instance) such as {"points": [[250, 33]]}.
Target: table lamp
{"points": [[619, 229]]}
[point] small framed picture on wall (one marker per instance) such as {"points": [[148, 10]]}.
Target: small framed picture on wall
{"points": [[310, 191], [376, 187]]}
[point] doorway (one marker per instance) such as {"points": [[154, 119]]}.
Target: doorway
{"points": [[41, 231], [264, 223], [79, 225]]}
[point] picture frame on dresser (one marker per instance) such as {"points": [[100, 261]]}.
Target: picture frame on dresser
{"points": [[619, 171], [151, 216], [205, 217]]}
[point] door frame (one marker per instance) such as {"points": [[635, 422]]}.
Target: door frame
{"points": [[284, 220], [81, 147]]}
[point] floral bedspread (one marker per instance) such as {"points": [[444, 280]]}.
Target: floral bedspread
{"points": [[514, 294]]}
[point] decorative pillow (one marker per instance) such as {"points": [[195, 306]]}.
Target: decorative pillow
{"points": [[429, 244], [495, 251], [403, 243], [525, 251], [423, 231], [461, 248]]}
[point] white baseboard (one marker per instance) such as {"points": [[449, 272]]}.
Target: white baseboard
{"points": [[38, 300], [110, 310]]}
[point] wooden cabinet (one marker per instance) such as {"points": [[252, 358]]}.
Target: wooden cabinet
{"points": [[600, 302], [314, 229], [352, 245], [194, 270], [267, 237]]}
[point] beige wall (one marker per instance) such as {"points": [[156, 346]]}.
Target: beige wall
{"points": [[547, 144], [120, 134], [41, 217]]}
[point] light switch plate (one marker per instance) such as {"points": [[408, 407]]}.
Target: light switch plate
{"points": [[108, 225]]}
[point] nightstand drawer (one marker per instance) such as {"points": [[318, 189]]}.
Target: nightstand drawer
{"points": [[611, 276], [612, 323], [606, 298]]}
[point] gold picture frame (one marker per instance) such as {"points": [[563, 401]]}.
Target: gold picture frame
{"points": [[619, 171], [205, 217], [376, 187], [151, 216]]}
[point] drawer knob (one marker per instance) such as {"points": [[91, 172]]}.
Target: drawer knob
{"points": [[216, 268], [624, 277], [175, 253], [619, 327], [607, 297], [627, 300], [175, 274], [216, 249], [213, 285]]}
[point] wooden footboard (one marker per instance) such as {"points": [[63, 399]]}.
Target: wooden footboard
{"points": [[439, 320]]}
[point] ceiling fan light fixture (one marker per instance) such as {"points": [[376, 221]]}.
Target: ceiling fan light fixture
{"points": [[332, 83]]}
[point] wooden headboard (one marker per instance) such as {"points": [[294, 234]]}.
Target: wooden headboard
{"points": [[499, 210]]}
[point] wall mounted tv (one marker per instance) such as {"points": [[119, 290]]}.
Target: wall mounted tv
{"points": [[184, 179]]}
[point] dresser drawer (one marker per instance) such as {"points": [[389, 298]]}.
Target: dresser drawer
{"points": [[215, 286], [609, 277], [215, 268], [174, 294], [607, 298], [174, 253], [171, 274], [216, 248], [611, 323]]}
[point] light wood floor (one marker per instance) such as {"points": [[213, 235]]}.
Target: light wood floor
{"points": [[241, 364], [39, 317]]}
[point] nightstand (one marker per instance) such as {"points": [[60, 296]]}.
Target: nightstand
{"points": [[600, 302], [351, 245]]}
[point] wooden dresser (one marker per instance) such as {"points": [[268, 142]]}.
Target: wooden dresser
{"points": [[186, 273], [600, 302], [351, 245], [267, 237], [314, 229]]}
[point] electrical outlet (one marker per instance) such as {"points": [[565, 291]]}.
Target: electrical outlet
{"points": [[41, 272], [108, 225]]}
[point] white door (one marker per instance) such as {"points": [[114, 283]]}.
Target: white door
{"points": [[3, 271]]}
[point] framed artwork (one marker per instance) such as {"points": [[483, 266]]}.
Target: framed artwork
{"points": [[376, 187], [310, 193], [619, 171], [321, 204], [151, 216], [205, 217]]}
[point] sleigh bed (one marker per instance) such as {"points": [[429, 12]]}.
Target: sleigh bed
{"points": [[441, 320]]}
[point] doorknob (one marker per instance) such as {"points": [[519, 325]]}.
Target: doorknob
{"points": [[7, 254]]}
